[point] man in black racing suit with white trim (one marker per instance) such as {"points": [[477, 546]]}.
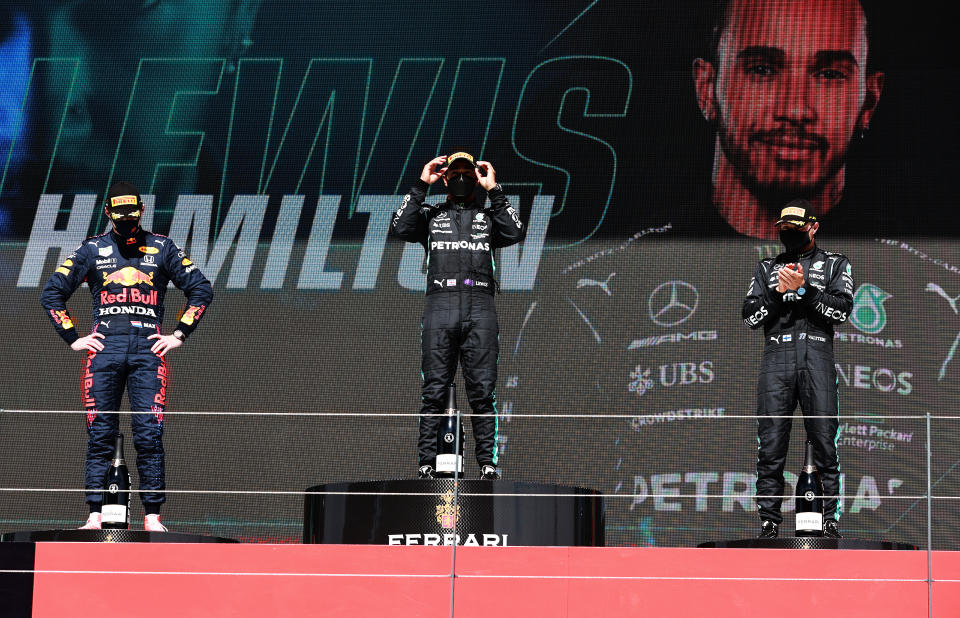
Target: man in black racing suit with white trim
{"points": [[459, 315], [798, 297]]}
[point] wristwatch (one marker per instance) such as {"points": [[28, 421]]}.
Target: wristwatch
{"points": [[179, 335], [801, 291]]}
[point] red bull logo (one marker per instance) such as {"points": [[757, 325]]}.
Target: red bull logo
{"points": [[192, 314], [86, 382], [128, 277], [62, 317], [129, 295], [160, 399]]}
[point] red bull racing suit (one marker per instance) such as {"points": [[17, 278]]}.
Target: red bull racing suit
{"points": [[798, 366], [128, 280], [459, 315]]}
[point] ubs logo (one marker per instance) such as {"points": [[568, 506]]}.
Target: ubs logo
{"points": [[672, 303]]}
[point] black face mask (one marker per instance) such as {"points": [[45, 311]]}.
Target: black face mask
{"points": [[794, 240], [461, 186], [126, 228]]}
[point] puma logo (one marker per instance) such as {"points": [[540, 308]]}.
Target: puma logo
{"points": [[933, 287], [604, 285]]}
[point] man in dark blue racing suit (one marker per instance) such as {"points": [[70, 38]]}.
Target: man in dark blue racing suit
{"points": [[128, 270]]}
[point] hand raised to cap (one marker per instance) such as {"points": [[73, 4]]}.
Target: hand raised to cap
{"points": [[489, 180], [432, 170]]}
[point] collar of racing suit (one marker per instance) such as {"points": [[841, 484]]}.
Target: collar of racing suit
{"points": [[128, 246], [803, 256]]}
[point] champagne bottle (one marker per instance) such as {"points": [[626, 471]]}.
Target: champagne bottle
{"points": [[809, 498], [449, 450], [116, 496]]}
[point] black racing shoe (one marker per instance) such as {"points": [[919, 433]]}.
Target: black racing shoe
{"points": [[425, 472], [489, 473], [831, 529], [769, 529]]}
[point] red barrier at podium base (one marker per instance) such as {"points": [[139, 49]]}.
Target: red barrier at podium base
{"points": [[162, 580]]}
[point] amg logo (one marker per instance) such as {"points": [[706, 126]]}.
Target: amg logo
{"points": [[698, 335]]}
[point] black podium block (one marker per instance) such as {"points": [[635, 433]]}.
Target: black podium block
{"points": [[809, 542], [487, 513], [108, 536]]}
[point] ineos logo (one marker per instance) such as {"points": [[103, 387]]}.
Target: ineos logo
{"points": [[672, 303]]}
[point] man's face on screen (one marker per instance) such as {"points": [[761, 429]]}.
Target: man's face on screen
{"points": [[78, 104], [790, 87]]}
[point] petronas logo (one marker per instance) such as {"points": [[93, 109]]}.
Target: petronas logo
{"points": [[868, 313]]}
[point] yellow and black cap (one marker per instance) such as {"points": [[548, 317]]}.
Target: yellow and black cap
{"points": [[461, 156], [123, 200], [798, 212]]}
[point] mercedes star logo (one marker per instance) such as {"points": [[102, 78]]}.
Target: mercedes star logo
{"points": [[672, 303]]}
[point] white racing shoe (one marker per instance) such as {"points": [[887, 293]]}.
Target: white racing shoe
{"points": [[151, 523], [94, 522]]}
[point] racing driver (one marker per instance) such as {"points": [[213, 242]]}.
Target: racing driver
{"points": [[459, 316], [128, 270], [798, 297]]}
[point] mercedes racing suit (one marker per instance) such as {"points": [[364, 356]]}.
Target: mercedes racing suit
{"points": [[128, 280], [459, 316], [798, 365]]}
